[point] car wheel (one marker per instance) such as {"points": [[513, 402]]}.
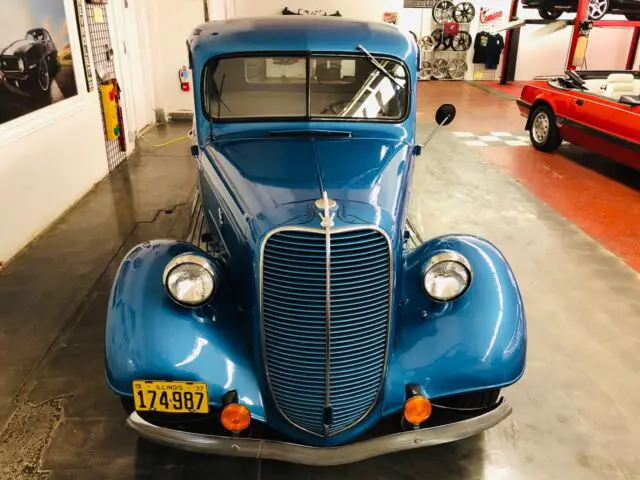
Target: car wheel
{"points": [[549, 14], [41, 84], [598, 9], [471, 400], [544, 133], [633, 18]]}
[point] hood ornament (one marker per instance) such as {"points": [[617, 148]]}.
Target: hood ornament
{"points": [[327, 207]]}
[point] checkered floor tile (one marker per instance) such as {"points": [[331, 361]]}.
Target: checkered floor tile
{"points": [[493, 139]]}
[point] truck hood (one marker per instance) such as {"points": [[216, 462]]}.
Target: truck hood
{"points": [[19, 46], [276, 181]]}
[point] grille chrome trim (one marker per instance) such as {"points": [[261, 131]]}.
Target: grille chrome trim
{"points": [[320, 231]]}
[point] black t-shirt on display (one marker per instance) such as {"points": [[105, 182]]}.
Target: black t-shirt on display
{"points": [[493, 51], [480, 47]]}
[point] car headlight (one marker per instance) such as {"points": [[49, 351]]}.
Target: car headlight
{"points": [[190, 279], [446, 276], [21, 65]]}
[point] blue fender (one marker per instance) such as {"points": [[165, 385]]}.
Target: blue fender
{"points": [[475, 342], [150, 337]]}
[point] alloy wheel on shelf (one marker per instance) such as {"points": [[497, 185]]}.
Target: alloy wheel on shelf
{"points": [[457, 68], [440, 68], [461, 42], [428, 43], [464, 12], [443, 11], [425, 70], [438, 36], [598, 9]]}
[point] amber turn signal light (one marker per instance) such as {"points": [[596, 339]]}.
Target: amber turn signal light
{"points": [[417, 409], [235, 417]]}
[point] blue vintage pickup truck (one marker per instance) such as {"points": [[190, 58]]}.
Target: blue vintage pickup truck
{"points": [[313, 327]]}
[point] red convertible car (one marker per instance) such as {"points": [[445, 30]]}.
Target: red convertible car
{"points": [[596, 110]]}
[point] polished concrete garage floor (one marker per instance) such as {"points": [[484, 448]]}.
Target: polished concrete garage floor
{"points": [[568, 223]]}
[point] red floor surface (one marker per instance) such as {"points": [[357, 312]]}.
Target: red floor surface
{"points": [[513, 88], [598, 195]]}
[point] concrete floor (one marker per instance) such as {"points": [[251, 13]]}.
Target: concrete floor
{"points": [[575, 410]]}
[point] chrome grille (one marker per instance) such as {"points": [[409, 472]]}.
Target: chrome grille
{"points": [[295, 324]]}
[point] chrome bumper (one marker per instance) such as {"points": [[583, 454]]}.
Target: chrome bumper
{"points": [[319, 456]]}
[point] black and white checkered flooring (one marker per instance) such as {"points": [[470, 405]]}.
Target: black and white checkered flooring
{"points": [[493, 139]]}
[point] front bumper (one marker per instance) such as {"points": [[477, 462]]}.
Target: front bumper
{"points": [[318, 456]]}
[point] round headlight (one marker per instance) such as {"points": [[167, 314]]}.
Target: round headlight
{"points": [[447, 276], [190, 279], [21, 65]]}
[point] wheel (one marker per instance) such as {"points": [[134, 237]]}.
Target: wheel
{"points": [[460, 42], [471, 400], [464, 12], [457, 68], [428, 43], [549, 14], [440, 68], [633, 18], [598, 9], [41, 83], [425, 70], [438, 36], [544, 133], [443, 11]]}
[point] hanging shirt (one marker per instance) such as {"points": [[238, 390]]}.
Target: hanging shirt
{"points": [[480, 47], [495, 44]]}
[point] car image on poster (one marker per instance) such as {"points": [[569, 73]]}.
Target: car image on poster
{"points": [[36, 66]]}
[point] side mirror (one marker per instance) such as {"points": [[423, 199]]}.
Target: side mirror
{"points": [[445, 114]]}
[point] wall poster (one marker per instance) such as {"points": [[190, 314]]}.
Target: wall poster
{"points": [[36, 68]]}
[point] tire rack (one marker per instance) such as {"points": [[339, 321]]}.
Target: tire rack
{"points": [[448, 55], [580, 23], [480, 72]]}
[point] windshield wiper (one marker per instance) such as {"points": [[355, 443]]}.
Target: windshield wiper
{"points": [[220, 101], [376, 64]]}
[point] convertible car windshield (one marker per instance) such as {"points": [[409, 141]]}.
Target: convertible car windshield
{"points": [[324, 87]]}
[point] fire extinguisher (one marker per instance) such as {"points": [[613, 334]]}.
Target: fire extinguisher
{"points": [[183, 75]]}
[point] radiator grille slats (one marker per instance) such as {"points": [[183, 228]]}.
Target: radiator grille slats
{"points": [[295, 326]]}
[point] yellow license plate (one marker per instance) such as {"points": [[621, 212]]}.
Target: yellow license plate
{"points": [[171, 397]]}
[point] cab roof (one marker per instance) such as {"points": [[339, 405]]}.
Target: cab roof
{"points": [[297, 34]]}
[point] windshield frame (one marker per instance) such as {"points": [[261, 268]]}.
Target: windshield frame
{"points": [[308, 56]]}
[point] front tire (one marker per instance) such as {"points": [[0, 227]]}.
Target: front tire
{"points": [[549, 14], [41, 83], [544, 133]]}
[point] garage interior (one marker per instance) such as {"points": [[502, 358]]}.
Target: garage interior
{"points": [[75, 201]]}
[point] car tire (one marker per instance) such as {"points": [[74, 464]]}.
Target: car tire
{"points": [[472, 400], [41, 84], [633, 18], [543, 132], [598, 9], [549, 14]]}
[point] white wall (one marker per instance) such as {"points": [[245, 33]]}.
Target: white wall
{"points": [[169, 24], [49, 159]]}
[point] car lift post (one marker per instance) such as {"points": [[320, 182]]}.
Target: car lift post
{"points": [[582, 14], [509, 52], [633, 49]]}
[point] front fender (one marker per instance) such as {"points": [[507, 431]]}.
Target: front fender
{"points": [[150, 337], [475, 342]]}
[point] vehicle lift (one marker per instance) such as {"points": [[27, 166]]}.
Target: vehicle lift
{"points": [[581, 28]]}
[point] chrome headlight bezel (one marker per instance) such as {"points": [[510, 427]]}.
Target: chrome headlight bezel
{"points": [[207, 268], [21, 65], [445, 257]]}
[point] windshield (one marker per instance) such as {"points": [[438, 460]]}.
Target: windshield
{"points": [[34, 36], [323, 87]]}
